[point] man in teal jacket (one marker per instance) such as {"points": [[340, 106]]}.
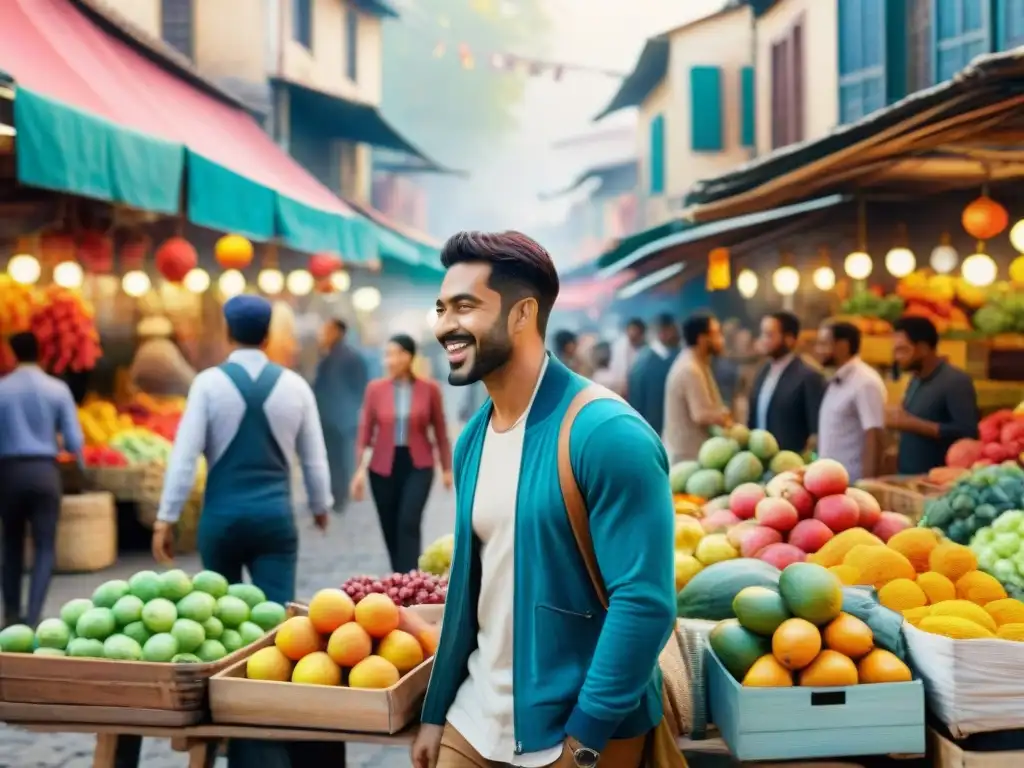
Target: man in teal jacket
{"points": [[585, 682]]}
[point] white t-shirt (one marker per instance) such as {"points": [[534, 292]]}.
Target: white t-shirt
{"points": [[482, 711]]}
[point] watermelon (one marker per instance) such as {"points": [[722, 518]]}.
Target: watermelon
{"points": [[709, 594], [737, 647]]}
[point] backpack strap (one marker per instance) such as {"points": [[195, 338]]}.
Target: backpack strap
{"points": [[572, 496]]}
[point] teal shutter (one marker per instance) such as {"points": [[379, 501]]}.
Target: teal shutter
{"points": [[657, 175], [862, 58], [706, 109], [748, 115], [962, 29], [1009, 24]]}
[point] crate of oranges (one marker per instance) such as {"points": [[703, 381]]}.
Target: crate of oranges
{"points": [[338, 666]]}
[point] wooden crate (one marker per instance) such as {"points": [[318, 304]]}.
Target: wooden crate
{"points": [[946, 753], [146, 693], [905, 495]]}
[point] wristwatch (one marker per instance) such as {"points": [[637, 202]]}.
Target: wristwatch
{"points": [[583, 757]]}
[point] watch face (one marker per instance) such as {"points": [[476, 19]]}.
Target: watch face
{"points": [[585, 758]]}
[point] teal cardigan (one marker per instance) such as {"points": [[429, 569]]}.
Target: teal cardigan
{"points": [[578, 671]]}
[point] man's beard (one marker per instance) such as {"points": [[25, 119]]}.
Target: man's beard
{"points": [[489, 353]]}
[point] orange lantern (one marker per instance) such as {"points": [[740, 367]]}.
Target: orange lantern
{"points": [[984, 218], [322, 265], [176, 258], [719, 277], [96, 252], [233, 252]]}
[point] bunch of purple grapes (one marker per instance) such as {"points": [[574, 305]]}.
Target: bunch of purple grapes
{"points": [[405, 589]]}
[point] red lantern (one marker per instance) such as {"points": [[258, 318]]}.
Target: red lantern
{"points": [[233, 252], [176, 258], [96, 252], [55, 248], [984, 218], [133, 253], [323, 265]]}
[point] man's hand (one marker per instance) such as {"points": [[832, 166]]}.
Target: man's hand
{"points": [[447, 480], [357, 488], [320, 521], [895, 417], [163, 542], [427, 746]]}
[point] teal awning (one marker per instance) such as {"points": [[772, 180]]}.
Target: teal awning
{"points": [[401, 250]]}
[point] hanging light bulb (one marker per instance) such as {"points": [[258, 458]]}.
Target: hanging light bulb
{"points": [[824, 278], [944, 258], [746, 283], [136, 283], [858, 265], [270, 281], [979, 270], [196, 280], [300, 282], [68, 274], [900, 261], [366, 299], [24, 269], [231, 283], [341, 281], [786, 280], [1017, 236]]}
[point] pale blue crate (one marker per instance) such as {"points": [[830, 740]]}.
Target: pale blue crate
{"points": [[798, 723]]}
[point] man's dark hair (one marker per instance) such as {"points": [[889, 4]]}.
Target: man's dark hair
{"points": [[920, 330], [520, 267], [341, 325], [666, 320], [636, 322], [848, 332], [602, 354], [25, 347], [694, 327], [563, 339], [789, 323]]}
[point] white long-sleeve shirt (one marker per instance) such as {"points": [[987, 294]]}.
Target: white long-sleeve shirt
{"points": [[211, 420]]}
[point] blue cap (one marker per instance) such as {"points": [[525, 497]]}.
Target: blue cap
{"points": [[248, 318]]}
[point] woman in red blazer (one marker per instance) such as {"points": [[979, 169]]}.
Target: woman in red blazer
{"points": [[399, 412]]}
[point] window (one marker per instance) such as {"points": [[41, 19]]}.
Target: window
{"points": [[176, 26], [657, 158], [787, 89], [748, 114], [1010, 23], [302, 22], [861, 58], [706, 109], [963, 30], [351, 44]]}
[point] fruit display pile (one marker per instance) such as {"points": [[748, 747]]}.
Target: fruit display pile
{"points": [[369, 644], [160, 415], [437, 558], [103, 456], [797, 633], [1001, 438], [1003, 312], [999, 548], [166, 617], [63, 323], [404, 589], [975, 501], [730, 459], [16, 306]]}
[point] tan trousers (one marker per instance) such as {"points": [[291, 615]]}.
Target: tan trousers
{"points": [[456, 752]]}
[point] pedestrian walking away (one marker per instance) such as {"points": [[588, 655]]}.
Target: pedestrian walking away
{"points": [[35, 408], [340, 385], [583, 686], [246, 417], [400, 412]]}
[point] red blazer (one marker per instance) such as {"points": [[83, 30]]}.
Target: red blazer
{"points": [[377, 426]]}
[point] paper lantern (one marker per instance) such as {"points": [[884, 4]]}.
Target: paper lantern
{"points": [[96, 252], [366, 299], [719, 277], [746, 283], [68, 274], [55, 248], [24, 269], [233, 252], [984, 218], [197, 281], [1017, 271], [299, 282], [321, 265], [944, 258], [341, 281], [900, 261], [858, 265], [824, 278], [176, 258], [1017, 236], [786, 280], [979, 270], [270, 281], [231, 283], [136, 284]]}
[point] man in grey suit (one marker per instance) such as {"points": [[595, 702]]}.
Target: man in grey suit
{"points": [[341, 379]]}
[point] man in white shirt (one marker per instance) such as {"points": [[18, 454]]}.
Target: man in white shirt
{"points": [[624, 352], [851, 426]]}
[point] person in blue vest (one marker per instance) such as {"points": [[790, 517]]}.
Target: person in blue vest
{"points": [[583, 686], [248, 417]]}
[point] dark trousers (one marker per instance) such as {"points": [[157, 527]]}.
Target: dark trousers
{"points": [[30, 499], [400, 498], [341, 459]]}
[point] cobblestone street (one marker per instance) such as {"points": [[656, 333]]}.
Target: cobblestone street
{"points": [[352, 545]]}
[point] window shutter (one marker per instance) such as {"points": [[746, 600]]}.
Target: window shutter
{"points": [[779, 91], [706, 109], [302, 22], [963, 30], [657, 155], [796, 64], [176, 25], [1010, 21], [748, 106], [351, 44]]}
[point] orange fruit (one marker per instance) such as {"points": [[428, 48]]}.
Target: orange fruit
{"points": [[795, 643], [767, 672], [401, 649], [297, 637], [377, 614], [349, 644], [830, 669], [317, 669], [373, 672], [269, 664], [881, 666], [329, 609], [848, 635]]}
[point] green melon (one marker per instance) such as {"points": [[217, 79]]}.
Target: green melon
{"points": [[680, 474], [742, 468], [760, 609], [706, 483], [716, 452], [737, 647], [811, 592], [710, 593]]}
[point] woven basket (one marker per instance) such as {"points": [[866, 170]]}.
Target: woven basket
{"points": [[905, 495], [86, 534], [152, 487], [124, 482]]}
